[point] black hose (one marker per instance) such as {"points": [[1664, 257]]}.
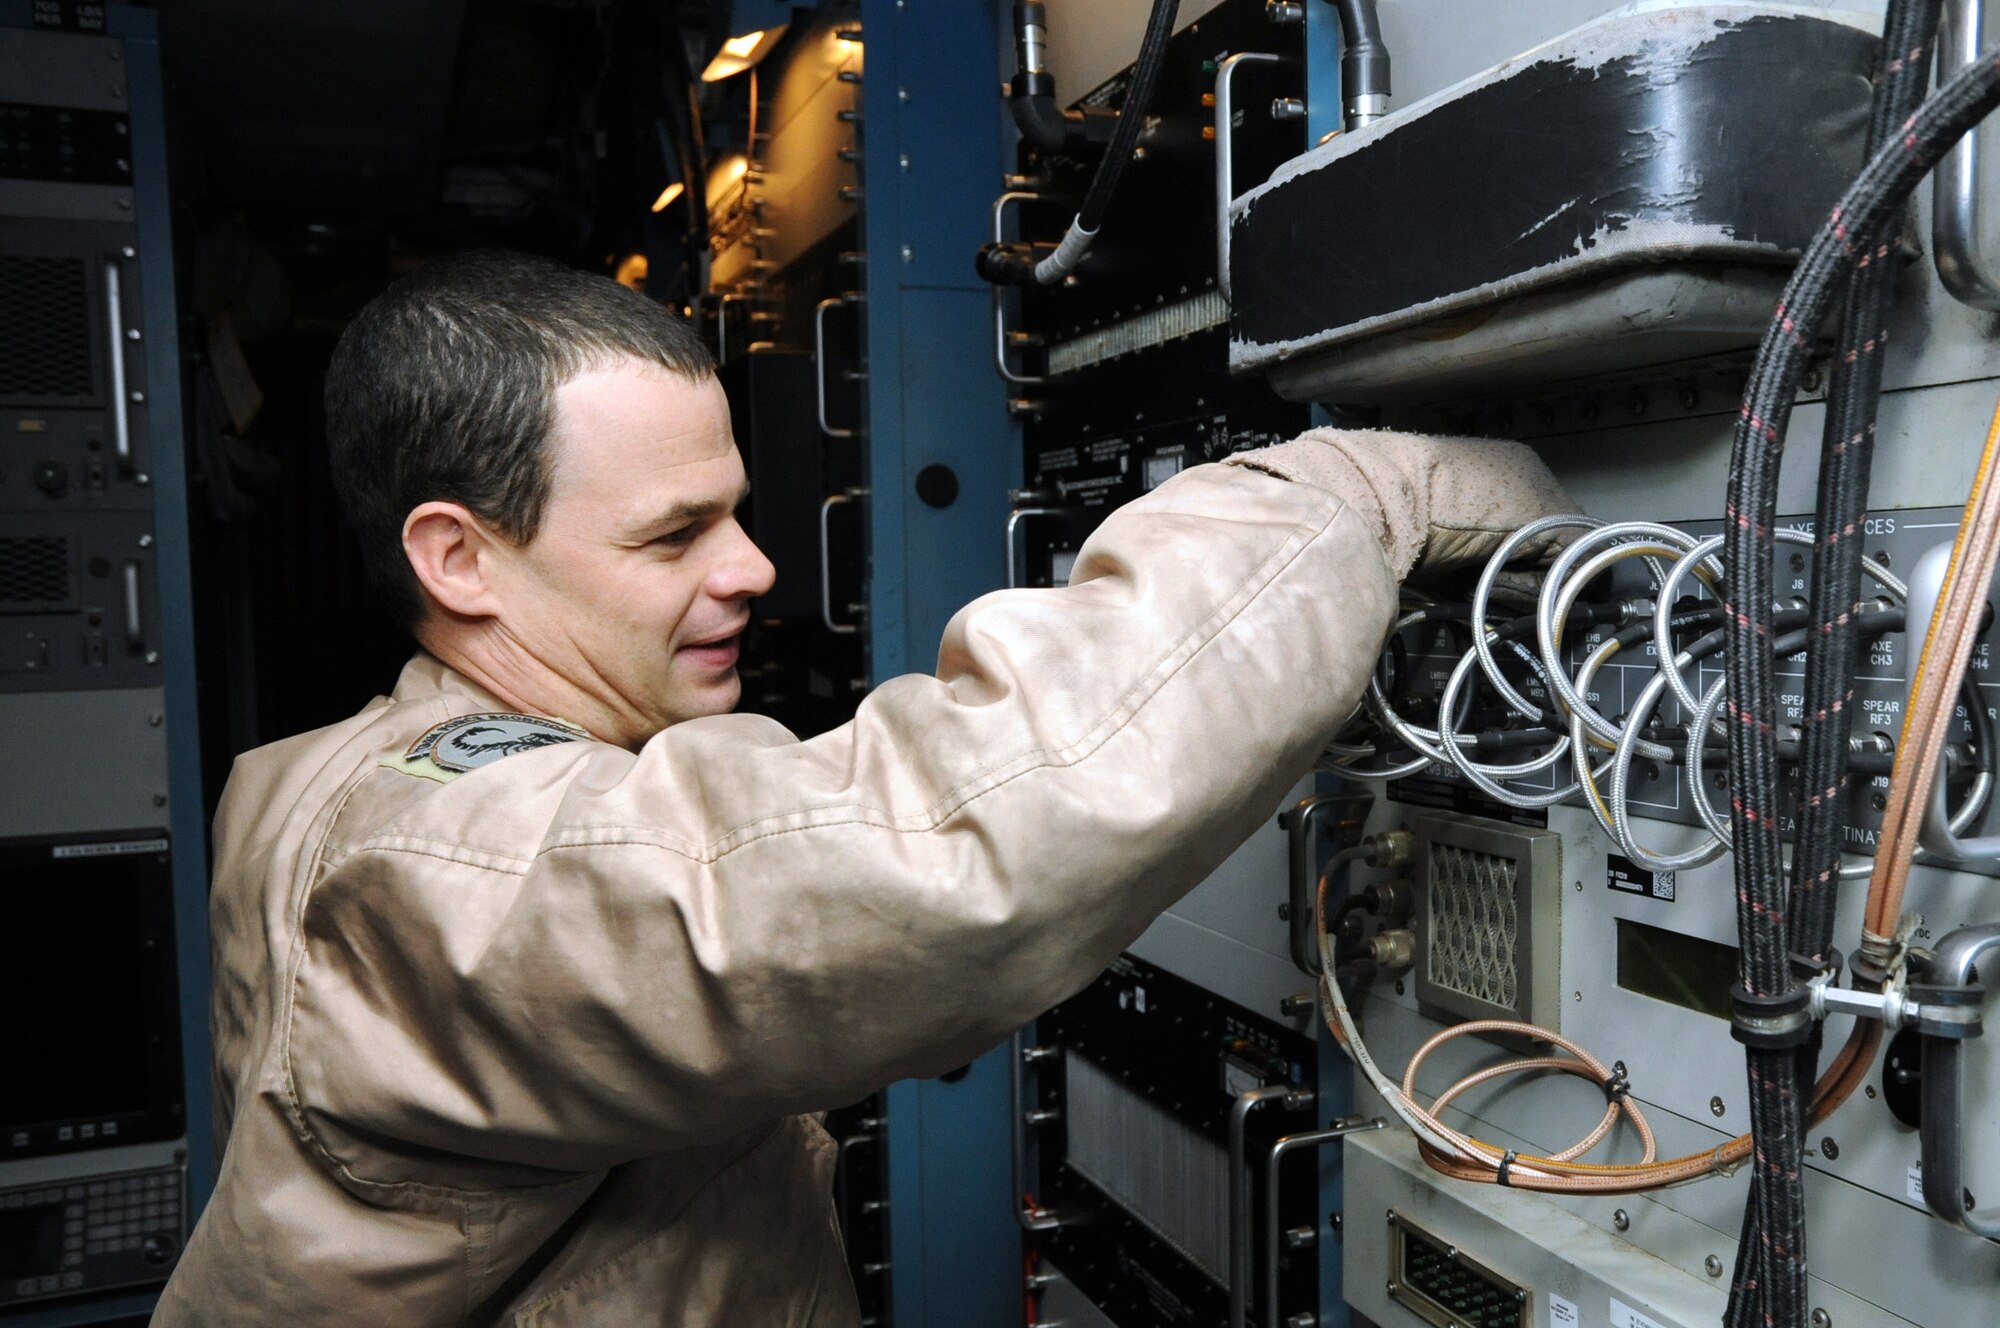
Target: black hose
{"points": [[1131, 115], [1016, 265], [1772, 1268], [1364, 63], [1847, 447]]}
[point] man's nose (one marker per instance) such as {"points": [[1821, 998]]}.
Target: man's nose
{"points": [[745, 571]]}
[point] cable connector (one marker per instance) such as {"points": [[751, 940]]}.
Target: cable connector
{"points": [[1391, 848]]}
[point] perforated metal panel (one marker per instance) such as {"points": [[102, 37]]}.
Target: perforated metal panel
{"points": [[37, 573], [1474, 925], [1488, 918], [44, 329]]}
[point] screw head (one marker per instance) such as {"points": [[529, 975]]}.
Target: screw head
{"points": [[1621, 1220], [1399, 986], [1715, 1107], [1821, 1319], [1828, 1149], [1712, 1266]]}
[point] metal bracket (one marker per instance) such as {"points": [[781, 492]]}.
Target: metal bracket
{"points": [[1225, 115]]}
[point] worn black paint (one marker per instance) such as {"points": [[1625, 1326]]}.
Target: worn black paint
{"points": [[1757, 130]]}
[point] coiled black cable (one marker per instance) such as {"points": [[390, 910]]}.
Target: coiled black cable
{"points": [[1772, 1262]]}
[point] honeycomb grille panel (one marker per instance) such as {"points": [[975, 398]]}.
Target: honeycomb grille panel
{"points": [[1475, 922], [44, 328], [34, 572]]}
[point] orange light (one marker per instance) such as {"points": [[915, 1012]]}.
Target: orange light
{"points": [[740, 53], [632, 272], [668, 195]]}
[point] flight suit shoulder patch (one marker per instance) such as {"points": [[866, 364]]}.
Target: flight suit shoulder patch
{"points": [[467, 742]]}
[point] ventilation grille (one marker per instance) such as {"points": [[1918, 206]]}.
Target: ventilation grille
{"points": [[34, 573], [1165, 1173], [1143, 332], [44, 328], [1474, 925]]}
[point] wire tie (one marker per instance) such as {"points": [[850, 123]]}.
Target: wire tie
{"points": [[1506, 1165], [1721, 1166]]}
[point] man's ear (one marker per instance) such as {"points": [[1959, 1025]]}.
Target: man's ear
{"points": [[452, 553]]}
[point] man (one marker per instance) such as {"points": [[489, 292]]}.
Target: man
{"points": [[528, 975]]}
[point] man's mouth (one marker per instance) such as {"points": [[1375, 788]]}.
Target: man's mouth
{"points": [[717, 652]]}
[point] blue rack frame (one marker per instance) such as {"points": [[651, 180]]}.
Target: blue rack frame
{"points": [[933, 154], [138, 29]]}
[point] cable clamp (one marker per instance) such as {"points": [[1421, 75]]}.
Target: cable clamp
{"points": [[1772, 1023], [1722, 1166], [1506, 1166], [1619, 1086]]}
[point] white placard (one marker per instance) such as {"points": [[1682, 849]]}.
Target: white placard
{"points": [[1913, 1183], [1562, 1313], [1624, 1316]]}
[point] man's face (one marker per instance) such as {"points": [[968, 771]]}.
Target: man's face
{"points": [[636, 587]]}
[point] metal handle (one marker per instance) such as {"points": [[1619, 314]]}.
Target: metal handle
{"points": [[114, 317], [1239, 1189], [1014, 520], [1955, 191], [135, 629], [1943, 1132], [1225, 115], [1303, 820], [1031, 1219], [1290, 1143], [841, 1198], [1000, 293], [826, 562], [819, 364]]}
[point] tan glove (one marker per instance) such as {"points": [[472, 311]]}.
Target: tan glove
{"points": [[1438, 503]]}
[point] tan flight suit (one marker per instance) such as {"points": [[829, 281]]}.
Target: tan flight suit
{"points": [[534, 1044]]}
